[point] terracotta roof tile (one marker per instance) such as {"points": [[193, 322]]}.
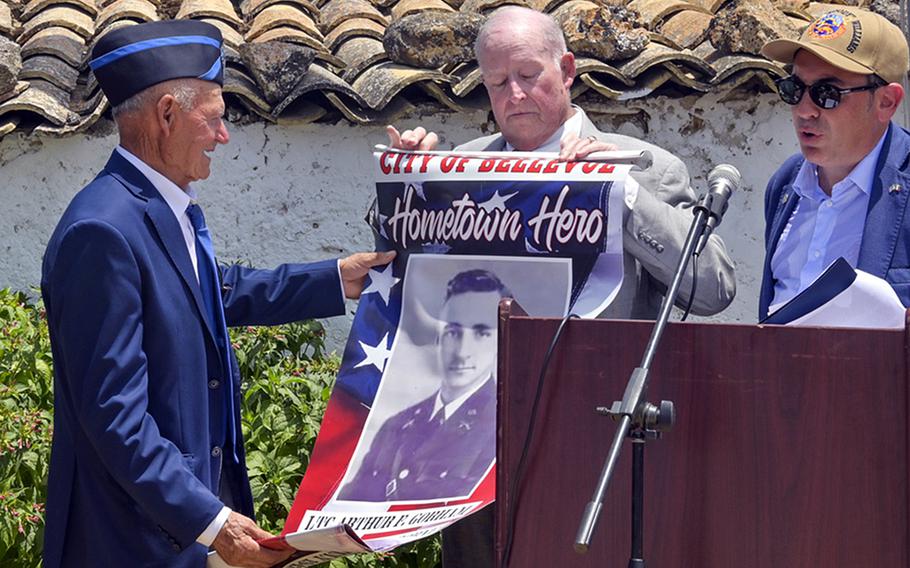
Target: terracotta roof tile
{"points": [[15, 92], [335, 12], [625, 49], [283, 15], [358, 53], [380, 83], [232, 38], [686, 28], [654, 12], [84, 123], [50, 69], [62, 16], [35, 6], [138, 10], [43, 99], [353, 27], [251, 8], [709, 6], [289, 34], [58, 42], [7, 24], [407, 7], [218, 9], [239, 83]]}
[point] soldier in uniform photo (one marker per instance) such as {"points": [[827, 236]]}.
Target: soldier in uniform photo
{"points": [[442, 446]]}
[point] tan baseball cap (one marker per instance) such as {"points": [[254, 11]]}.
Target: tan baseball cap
{"points": [[850, 39]]}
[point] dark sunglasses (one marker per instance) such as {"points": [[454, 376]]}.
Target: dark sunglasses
{"points": [[823, 94]]}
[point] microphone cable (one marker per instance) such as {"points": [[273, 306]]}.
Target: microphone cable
{"points": [[522, 463], [694, 286]]}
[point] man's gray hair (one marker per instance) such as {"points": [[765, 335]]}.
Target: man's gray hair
{"points": [[552, 40], [183, 91]]}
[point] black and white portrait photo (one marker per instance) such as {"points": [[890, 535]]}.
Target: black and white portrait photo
{"points": [[430, 435]]}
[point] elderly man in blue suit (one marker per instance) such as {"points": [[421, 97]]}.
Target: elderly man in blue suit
{"points": [[147, 465], [845, 194]]}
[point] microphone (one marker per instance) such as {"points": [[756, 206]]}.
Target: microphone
{"points": [[722, 182]]}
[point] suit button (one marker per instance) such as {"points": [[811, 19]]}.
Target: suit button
{"points": [[216, 451], [214, 384], [660, 248]]}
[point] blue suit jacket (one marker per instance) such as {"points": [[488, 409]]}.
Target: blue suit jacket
{"points": [[885, 247], [139, 442]]}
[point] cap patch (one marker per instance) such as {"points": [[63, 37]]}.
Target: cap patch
{"points": [[829, 26]]}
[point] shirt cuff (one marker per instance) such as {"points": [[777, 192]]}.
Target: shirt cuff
{"points": [[340, 281], [631, 192], [208, 535]]}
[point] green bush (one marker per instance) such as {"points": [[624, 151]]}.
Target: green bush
{"points": [[287, 382], [26, 402]]}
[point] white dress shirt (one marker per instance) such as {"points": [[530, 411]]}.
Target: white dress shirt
{"points": [[822, 227], [178, 200], [572, 127]]}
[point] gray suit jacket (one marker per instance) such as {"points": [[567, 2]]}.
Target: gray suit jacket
{"points": [[654, 233]]}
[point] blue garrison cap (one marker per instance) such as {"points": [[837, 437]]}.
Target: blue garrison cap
{"points": [[131, 59]]}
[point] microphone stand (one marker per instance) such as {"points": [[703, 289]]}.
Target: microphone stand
{"points": [[641, 420]]}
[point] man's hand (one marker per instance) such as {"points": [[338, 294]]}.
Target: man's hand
{"points": [[236, 544], [575, 148], [417, 139], [355, 267]]}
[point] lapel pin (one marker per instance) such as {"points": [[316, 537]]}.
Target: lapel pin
{"points": [[784, 198], [895, 188]]}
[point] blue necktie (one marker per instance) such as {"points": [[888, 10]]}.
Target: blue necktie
{"points": [[208, 283]]}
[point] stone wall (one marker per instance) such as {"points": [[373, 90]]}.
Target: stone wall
{"points": [[287, 193]]}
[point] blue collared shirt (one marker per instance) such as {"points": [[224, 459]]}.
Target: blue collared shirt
{"points": [[822, 228]]}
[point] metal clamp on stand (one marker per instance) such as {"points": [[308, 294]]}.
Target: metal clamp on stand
{"points": [[655, 420]]}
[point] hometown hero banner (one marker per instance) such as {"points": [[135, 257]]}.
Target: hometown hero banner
{"points": [[410, 425]]}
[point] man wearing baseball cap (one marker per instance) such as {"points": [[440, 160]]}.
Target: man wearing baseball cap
{"points": [[147, 463], [845, 194]]}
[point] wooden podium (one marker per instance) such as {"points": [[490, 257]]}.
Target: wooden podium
{"points": [[790, 447]]}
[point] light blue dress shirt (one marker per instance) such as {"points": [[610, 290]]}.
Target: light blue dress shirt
{"points": [[822, 228]]}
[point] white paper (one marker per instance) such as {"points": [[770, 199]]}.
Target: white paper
{"points": [[869, 302]]}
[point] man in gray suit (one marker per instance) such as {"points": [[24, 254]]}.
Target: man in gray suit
{"points": [[528, 72]]}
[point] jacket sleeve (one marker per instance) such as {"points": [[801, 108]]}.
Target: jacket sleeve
{"points": [[662, 214], [96, 298], [288, 293]]}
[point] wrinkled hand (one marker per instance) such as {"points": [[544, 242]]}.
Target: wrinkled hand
{"points": [[575, 148], [417, 139], [236, 544], [354, 270]]}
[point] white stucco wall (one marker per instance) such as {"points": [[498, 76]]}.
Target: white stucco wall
{"points": [[292, 193]]}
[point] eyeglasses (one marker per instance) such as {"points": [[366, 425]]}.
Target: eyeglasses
{"points": [[823, 94]]}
